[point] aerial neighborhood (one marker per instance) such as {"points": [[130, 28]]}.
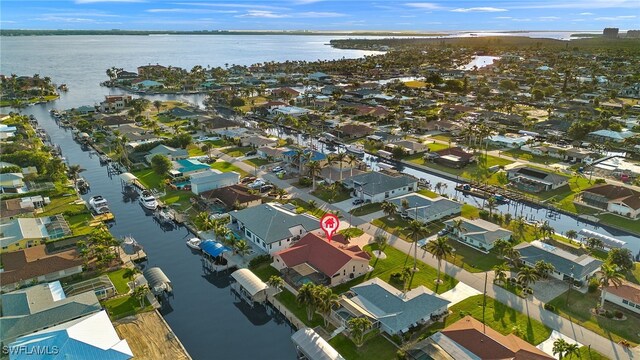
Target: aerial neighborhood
{"points": [[486, 209]]}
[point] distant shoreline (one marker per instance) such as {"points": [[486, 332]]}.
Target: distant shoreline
{"points": [[26, 32]]}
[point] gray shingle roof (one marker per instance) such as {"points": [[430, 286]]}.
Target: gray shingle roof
{"points": [[561, 260], [480, 230], [375, 183], [425, 207], [393, 309], [272, 222]]}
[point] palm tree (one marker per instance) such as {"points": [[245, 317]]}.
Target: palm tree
{"points": [[140, 293], [242, 247], [275, 282], [440, 249], [207, 149], [571, 235], [74, 171], [352, 160], [339, 158], [527, 276], [358, 327], [381, 241], [306, 297], [405, 205], [325, 300], [415, 230], [546, 229], [519, 227], [559, 347], [513, 255], [501, 246], [331, 159], [491, 205], [572, 349], [543, 268], [314, 168], [594, 243], [609, 274], [500, 272], [157, 104], [405, 276], [129, 273], [389, 209]]}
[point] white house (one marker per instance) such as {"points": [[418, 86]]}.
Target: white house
{"points": [[114, 102], [377, 187], [477, 233], [509, 140], [212, 179], [273, 227], [626, 295]]}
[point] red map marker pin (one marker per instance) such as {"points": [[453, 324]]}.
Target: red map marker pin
{"points": [[329, 224]]}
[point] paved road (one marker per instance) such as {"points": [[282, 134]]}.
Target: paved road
{"points": [[531, 306]]}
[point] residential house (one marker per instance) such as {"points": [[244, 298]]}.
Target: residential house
{"points": [[150, 70], [187, 167], [509, 140], [211, 179], [24, 233], [124, 75], [35, 264], [566, 265], [610, 135], [41, 306], [291, 111], [171, 153], [272, 226], [271, 153], [257, 141], [470, 339], [354, 131], [7, 131], [18, 206], [625, 295], [289, 156], [12, 183], [615, 199], [182, 113], [534, 180], [114, 103], [391, 310], [324, 262], [146, 84], [477, 233], [331, 174], [454, 157], [425, 209], [408, 146], [319, 76], [377, 187], [231, 196], [76, 339], [86, 109], [270, 106], [285, 93], [632, 91]]}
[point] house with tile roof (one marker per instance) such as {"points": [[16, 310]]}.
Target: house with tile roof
{"points": [[90, 337], [273, 227], [330, 263], [230, 196], [36, 264], [388, 308], [621, 200], [470, 339], [566, 265], [625, 295], [477, 233], [42, 306]]}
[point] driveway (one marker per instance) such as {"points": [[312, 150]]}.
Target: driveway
{"points": [[547, 290], [460, 292], [345, 205], [547, 345]]}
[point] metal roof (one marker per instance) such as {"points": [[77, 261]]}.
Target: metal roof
{"points": [[128, 177], [249, 281], [313, 346]]}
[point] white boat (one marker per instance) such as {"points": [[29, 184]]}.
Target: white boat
{"points": [[356, 150], [148, 201], [194, 243], [99, 204], [164, 217]]}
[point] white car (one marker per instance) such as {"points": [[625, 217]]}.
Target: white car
{"points": [[277, 169], [256, 184]]}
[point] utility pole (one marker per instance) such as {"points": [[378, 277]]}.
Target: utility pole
{"points": [[484, 303]]}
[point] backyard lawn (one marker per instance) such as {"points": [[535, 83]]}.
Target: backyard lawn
{"points": [[621, 222], [579, 311], [397, 226], [264, 271], [428, 193], [353, 232], [119, 281], [499, 317], [521, 154], [194, 150], [125, 306], [237, 151], [303, 206], [79, 223], [375, 347], [227, 166], [257, 162], [394, 263], [470, 259], [177, 198], [366, 209], [471, 171], [300, 311], [331, 194], [470, 212]]}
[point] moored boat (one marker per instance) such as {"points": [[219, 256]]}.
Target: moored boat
{"points": [[99, 205], [194, 243], [148, 201], [356, 150]]}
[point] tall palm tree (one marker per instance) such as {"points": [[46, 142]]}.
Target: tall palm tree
{"points": [[357, 328], [405, 205], [415, 231], [389, 209], [527, 276], [559, 347], [242, 248], [306, 297], [140, 293], [340, 158], [491, 205], [130, 273], [500, 272], [325, 300], [330, 161], [594, 243], [381, 241], [543, 268], [352, 160], [74, 171], [314, 168], [609, 275], [546, 229], [275, 282], [500, 246], [440, 249], [571, 235]]}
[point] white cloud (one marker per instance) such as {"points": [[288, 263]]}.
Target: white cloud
{"points": [[229, 5], [304, 2], [72, 19], [613, 18], [576, 4], [424, 5], [191, 11], [586, 13], [279, 15], [503, 17], [548, 18], [108, 1], [263, 14], [316, 14], [479, 9]]}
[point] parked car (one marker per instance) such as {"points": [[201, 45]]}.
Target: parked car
{"points": [[251, 153], [358, 202], [266, 188], [405, 216], [443, 232], [247, 179], [257, 184], [277, 169]]}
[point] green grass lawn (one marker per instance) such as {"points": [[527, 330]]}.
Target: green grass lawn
{"points": [[374, 347], [257, 162], [470, 211], [124, 306], [179, 199], [303, 206], [621, 222], [79, 224], [579, 311], [395, 262], [237, 151], [471, 171], [428, 193], [300, 311], [520, 154], [634, 276], [264, 271], [397, 226], [499, 317], [219, 143], [194, 150], [563, 197], [353, 232], [471, 259], [62, 204], [441, 137], [331, 194], [366, 209], [119, 281], [227, 166]]}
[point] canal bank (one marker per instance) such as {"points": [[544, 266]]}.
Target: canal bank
{"points": [[202, 312]]}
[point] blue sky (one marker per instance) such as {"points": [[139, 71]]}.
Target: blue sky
{"points": [[320, 15]]}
